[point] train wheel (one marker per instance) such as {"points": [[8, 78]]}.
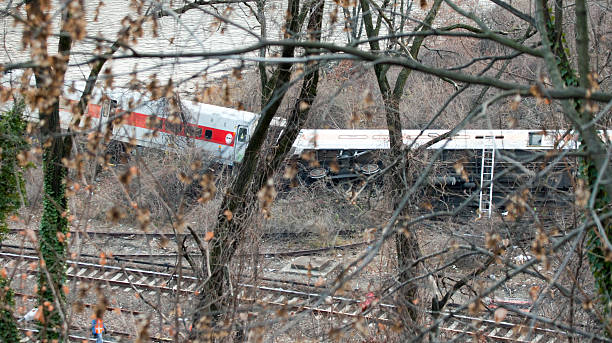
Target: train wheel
{"points": [[370, 169], [116, 152], [317, 173]]}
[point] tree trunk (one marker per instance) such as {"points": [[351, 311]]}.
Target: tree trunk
{"points": [[406, 243], [595, 165], [53, 224], [229, 228]]}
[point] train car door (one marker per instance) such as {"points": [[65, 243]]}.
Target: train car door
{"points": [[241, 142], [108, 110]]}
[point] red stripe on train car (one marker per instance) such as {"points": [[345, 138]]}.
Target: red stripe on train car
{"points": [[136, 119], [218, 136], [93, 110]]}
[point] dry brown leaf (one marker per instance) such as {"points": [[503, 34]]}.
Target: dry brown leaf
{"points": [[228, 215], [320, 282], [500, 314], [533, 292], [209, 236]]}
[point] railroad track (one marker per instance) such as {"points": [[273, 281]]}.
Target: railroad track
{"points": [[109, 332], [129, 257], [173, 236], [151, 283]]}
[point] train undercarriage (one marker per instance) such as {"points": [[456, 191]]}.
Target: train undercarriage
{"points": [[455, 176]]}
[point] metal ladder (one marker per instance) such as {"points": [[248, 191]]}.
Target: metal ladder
{"points": [[486, 176]]}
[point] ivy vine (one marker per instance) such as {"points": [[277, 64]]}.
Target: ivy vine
{"points": [[12, 189], [599, 259], [53, 230]]}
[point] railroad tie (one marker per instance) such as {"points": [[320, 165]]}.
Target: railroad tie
{"points": [[93, 272], [494, 332], [523, 337], [453, 326], [115, 278], [130, 278], [356, 312], [346, 309], [152, 283], [138, 282], [107, 274]]}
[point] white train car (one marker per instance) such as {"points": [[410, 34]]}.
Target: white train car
{"points": [[347, 153], [329, 139], [222, 132]]}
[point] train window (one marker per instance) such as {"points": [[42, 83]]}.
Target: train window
{"points": [[208, 134], [242, 133], [193, 131], [112, 108], [535, 138], [108, 108], [176, 129]]}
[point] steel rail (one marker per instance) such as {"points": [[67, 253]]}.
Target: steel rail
{"points": [[294, 253], [332, 305]]}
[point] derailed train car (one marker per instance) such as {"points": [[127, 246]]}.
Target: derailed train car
{"points": [[332, 147], [223, 133]]}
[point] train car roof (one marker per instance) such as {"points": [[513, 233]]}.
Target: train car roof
{"points": [[194, 109], [218, 113]]}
